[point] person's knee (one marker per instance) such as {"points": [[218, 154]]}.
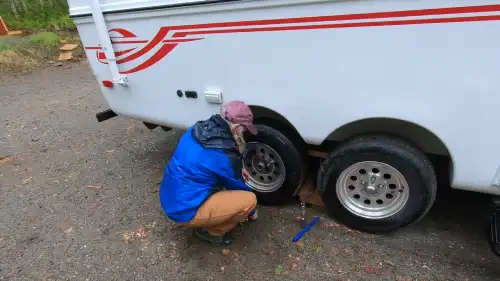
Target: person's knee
{"points": [[250, 200]]}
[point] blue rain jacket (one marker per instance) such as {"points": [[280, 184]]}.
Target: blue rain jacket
{"points": [[205, 159]]}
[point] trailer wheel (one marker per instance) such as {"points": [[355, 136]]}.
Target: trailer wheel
{"points": [[377, 184], [274, 164]]}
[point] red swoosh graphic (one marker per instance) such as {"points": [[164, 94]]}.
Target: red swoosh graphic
{"points": [[162, 33], [102, 55], [162, 52], [125, 33]]}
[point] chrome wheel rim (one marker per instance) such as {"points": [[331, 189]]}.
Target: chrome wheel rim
{"points": [[372, 190], [266, 171]]}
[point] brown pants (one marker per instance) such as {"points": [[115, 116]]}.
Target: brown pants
{"points": [[223, 211]]}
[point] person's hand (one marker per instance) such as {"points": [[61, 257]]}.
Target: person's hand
{"points": [[238, 137], [244, 174]]}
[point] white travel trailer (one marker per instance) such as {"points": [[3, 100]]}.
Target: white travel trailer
{"points": [[381, 87]]}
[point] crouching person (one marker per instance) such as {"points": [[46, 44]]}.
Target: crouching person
{"points": [[203, 186]]}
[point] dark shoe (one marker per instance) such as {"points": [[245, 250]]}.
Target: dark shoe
{"points": [[216, 240]]}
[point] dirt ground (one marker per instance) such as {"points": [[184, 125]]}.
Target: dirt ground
{"points": [[54, 227]]}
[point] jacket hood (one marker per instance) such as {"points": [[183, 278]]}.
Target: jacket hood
{"points": [[213, 133]]}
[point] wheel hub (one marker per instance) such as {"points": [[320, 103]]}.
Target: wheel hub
{"points": [[372, 190], [261, 166], [265, 167]]}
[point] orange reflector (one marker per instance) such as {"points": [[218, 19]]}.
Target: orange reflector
{"points": [[107, 83]]}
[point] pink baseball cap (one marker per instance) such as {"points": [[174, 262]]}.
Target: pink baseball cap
{"points": [[238, 112]]}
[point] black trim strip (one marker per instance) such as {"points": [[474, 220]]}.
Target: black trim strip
{"points": [[166, 6]]}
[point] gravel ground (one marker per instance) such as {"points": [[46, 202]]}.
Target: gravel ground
{"points": [[53, 227]]}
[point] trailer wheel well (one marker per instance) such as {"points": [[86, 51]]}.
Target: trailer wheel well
{"points": [[266, 116], [420, 136], [423, 138]]}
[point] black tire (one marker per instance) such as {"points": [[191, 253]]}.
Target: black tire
{"points": [[491, 231], [292, 160], [407, 159]]}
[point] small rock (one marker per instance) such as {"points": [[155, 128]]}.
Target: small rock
{"points": [[15, 33], [65, 56], [5, 159], [58, 64], [27, 180], [267, 252], [68, 47]]}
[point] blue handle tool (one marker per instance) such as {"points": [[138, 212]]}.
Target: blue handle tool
{"points": [[306, 229]]}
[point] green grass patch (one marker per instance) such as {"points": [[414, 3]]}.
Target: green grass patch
{"points": [[54, 22], [49, 39], [63, 22], [4, 47], [36, 15]]}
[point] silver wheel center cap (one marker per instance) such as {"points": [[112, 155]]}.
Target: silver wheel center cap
{"points": [[261, 166], [371, 190]]}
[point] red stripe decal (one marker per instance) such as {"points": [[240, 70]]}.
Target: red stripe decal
{"points": [[124, 52], [181, 40], [340, 25], [102, 56], [129, 42], [364, 16], [376, 19]]}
